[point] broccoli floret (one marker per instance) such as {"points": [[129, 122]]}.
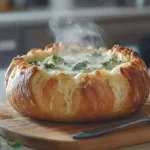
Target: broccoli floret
{"points": [[35, 62], [80, 66]]}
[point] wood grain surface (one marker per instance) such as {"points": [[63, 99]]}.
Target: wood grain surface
{"points": [[46, 135]]}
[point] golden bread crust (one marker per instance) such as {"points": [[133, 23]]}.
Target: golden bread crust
{"points": [[99, 95]]}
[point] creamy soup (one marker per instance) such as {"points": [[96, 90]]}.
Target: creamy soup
{"points": [[78, 61]]}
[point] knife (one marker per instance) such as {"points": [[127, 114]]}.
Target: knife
{"points": [[104, 130]]}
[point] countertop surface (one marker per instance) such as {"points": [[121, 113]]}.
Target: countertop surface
{"points": [[145, 146]]}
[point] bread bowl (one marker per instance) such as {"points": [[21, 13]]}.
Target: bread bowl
{"points": [[72, 83]]}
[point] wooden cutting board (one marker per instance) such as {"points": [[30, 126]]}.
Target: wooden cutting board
{"points": [[57, 136]]}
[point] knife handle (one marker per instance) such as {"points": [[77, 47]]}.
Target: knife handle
{"points": [[100, 131]]}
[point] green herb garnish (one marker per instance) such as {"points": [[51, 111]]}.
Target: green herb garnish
{"points": [[105, 64], [114, 61], [80, 66], [34, 62], [52, 61], [14, 144], [96, 54], [119, 61], [49, 66], [48, 60], [48, 63], [111, 61], [57, 60]]}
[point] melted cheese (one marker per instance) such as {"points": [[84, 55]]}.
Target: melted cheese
{"points": [[119, 87], [38, 81], [13, 73], [51, 104], [66, 86]]}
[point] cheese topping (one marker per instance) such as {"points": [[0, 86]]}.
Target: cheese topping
{"points": [[51, 104], [67, 87]]}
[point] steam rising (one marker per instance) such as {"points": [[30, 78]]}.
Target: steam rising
{"points": [[81, 31]]}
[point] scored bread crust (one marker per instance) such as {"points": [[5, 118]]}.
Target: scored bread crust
{"points": [[85, 97]]}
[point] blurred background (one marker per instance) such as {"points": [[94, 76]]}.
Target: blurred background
{"points": [[26, 24]]}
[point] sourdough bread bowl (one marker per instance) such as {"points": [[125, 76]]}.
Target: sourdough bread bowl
{"points": [[72, 83]]}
